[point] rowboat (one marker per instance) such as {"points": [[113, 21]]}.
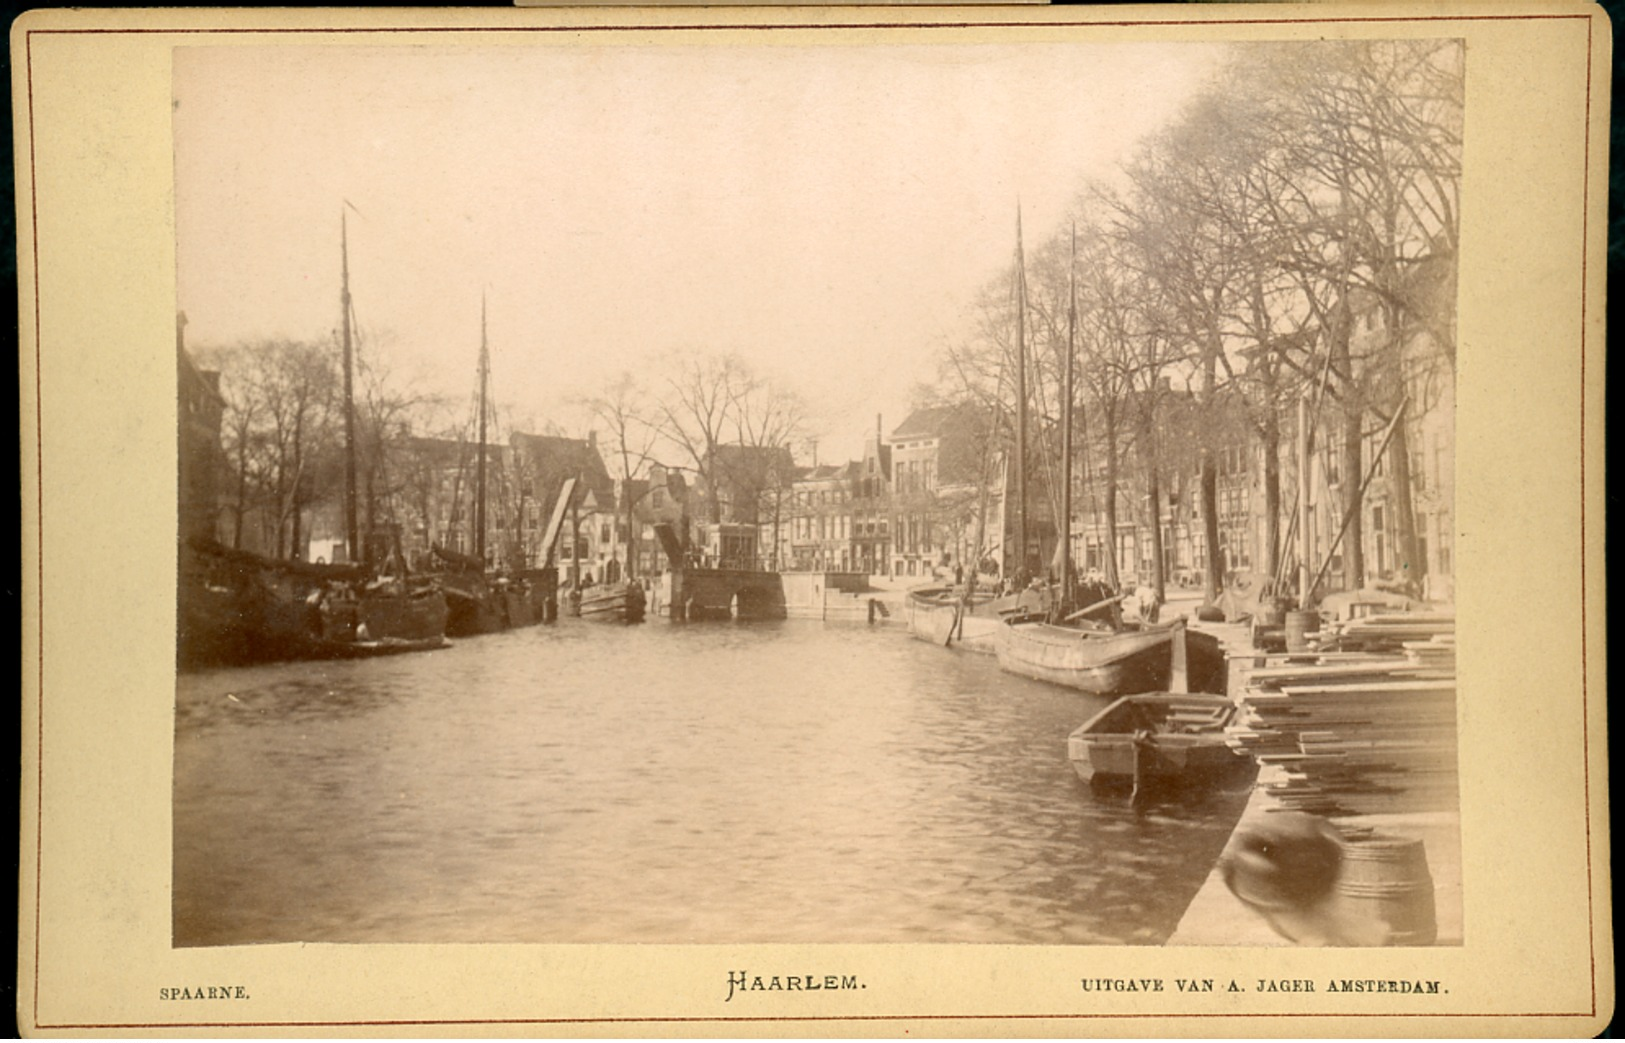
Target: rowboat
{"points": [[620, 604], [1094, 657], [1161, 736]]}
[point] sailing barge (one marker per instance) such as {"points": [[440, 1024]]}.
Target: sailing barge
{"points": [[1098, 659], [482, 602], [238, 608]]}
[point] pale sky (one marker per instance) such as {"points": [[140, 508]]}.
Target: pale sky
{"points": [[829, 213]]}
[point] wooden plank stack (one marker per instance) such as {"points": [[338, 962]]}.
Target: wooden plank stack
{"points": [[1366, 724]]}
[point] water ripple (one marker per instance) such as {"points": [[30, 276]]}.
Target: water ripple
{"points": [[785, 782]]}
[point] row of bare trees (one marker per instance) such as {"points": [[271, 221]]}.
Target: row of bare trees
{"points": [[1307, 188], [282, 439], [283, 429], [714, 416]]}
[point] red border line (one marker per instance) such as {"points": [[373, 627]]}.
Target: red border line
{"points": [[40, 505], [800, 1018]]}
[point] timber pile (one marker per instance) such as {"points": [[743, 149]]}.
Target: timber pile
{"points": [[1367, 729]]}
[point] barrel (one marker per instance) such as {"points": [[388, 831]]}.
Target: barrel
{"points": [[1271, 612], [1299, 625], [1385, 891]]}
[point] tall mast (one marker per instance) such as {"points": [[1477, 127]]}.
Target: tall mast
{"points": [[1021, 399], [351, 534], [1066, 428], [1304, 515], [479, 468]]}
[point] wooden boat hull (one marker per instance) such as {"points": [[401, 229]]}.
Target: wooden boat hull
{"points": [[939, 616], [403, 617], [1105, 662], [614, 606], [236, 608], [477, 606], [1102, 662], [1162, 737]]}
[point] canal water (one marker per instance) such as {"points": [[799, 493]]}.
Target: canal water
{"points": [[707, 783]]}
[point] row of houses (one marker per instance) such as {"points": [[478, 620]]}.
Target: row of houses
{"points": [[933, 498]]}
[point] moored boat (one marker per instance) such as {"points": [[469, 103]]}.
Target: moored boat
{"points": [[1097, 658], [1156, 736], [238, 608], [485, 603], [1103, 661], [623, 603], [946, 616]]}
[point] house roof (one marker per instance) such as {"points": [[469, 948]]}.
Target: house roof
{"points": [[750, 457], [961, 433], [924, 423], [550, 459], [823, 473]]}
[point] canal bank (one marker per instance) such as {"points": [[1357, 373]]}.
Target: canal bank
{"points": [[1217, 917], [1359, 733]]}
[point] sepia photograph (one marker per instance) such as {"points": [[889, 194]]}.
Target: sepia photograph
{"points": [[923, 521], [607, 507]]}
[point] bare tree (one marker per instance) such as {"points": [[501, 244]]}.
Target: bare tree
{"points": [[388, 415], [280, 416], [696, 412], [733, 427], [1371, 134], [240, 429], [1187, 259], [624, 409]]}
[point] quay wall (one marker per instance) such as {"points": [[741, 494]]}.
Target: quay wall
{"points": [[834, 597], [1215, 917]]}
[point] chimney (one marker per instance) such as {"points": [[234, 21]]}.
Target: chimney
{"points": [[592, 440], [878, 436]]}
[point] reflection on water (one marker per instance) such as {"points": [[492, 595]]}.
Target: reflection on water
{"points": [[788, 782]]}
